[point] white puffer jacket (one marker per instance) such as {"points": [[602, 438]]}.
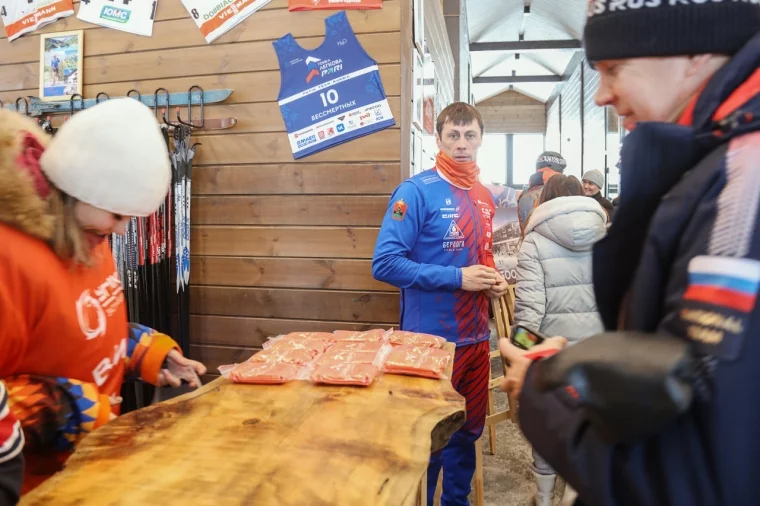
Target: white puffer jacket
{"points": [[554, 293]]}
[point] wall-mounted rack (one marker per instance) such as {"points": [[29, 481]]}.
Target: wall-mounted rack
{"points": [[38, 108]]}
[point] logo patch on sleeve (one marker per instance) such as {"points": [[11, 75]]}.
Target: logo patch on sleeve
{"points": [[399, 210], [718, 302]]}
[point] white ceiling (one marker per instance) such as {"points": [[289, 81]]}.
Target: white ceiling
{"points": [[503, 21]]}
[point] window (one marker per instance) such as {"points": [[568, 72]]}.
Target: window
{"points": [[492, 159], [525, 150]]}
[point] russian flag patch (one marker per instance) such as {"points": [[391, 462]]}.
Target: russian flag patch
{"points": [[726, 282]]}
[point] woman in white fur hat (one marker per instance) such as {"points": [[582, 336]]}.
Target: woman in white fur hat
{"points": [[65, 343]]}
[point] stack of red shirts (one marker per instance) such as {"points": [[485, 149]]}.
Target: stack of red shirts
{"points": [[348, 363], [283, 358], [414, 360], [401, 337]]}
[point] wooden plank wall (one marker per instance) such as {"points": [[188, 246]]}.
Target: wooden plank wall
{"points": [[513, 113], [277, 245]]}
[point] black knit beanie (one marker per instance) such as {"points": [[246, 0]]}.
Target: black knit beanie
{"points": [[618, 29]]}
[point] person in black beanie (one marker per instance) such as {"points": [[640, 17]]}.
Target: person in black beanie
{"points": [[679, 267]]}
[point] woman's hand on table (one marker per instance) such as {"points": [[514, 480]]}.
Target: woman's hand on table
{"points": [[178, 368], [520, 360]]}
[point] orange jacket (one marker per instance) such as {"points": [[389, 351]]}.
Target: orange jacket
{"points": [[61, 326]]}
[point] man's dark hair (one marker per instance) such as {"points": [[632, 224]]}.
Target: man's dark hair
{"points": [[458, 113]]}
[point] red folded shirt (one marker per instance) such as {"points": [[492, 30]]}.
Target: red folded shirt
{"points": [[417, 361], [286, 355], [326, 336], [344, 374], [400, 337], [351, 353], [264, 373], [308, 343], [374, 336]]}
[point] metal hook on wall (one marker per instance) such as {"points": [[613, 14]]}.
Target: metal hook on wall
{"points": [[191, 123], [71, 103], [97, 97], [26, 106], [155, 99], [139, 97]]}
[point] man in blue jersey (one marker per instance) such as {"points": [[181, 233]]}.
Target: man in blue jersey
{"points": [[435, 244]]}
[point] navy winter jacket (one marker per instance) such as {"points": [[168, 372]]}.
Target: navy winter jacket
{"points": [[682, 257]]}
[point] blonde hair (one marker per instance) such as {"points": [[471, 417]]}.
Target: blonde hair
{"points": [[68, 240]]}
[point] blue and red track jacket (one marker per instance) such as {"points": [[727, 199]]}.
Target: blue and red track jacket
{"points": [[431, 230]]}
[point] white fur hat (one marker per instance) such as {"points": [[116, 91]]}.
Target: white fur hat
{"points": [[111, 156]]}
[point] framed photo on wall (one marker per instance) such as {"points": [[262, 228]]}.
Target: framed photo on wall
{"points": [[61, 65]]}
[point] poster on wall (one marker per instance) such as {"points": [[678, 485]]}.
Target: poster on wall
{"points": [[332, 94], [506, 230], [24, 16], [317, 5], [61, 65], [428, 111], [215, 18], [132, 17]]}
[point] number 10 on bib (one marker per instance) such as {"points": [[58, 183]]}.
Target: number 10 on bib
{"points": [[332, 94]]}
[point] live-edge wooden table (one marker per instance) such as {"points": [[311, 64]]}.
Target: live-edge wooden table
{"points": [[289, 445]]}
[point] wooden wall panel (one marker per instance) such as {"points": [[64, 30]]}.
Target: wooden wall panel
{"points": [[295, 179], [332, 274], [252, 332], [292, 210], [513, 113], [278, 245], [298, 304], [308, 242]]}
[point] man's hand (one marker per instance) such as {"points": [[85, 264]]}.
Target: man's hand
{"points": [[178, 368], [519, 362], [500, 288], [477, 278]]}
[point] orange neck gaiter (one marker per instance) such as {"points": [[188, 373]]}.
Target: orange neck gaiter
{"points": [[461, 175]]}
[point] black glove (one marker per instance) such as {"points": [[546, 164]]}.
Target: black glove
{"points": [[630, 384]]}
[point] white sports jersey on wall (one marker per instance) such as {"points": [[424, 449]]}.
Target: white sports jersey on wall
{"points": [[133, 16], [217, 17], [24, 16]]}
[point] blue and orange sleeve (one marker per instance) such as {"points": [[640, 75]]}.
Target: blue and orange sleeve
{"points": [[55, 413], [401, 227], [146, 351]]}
